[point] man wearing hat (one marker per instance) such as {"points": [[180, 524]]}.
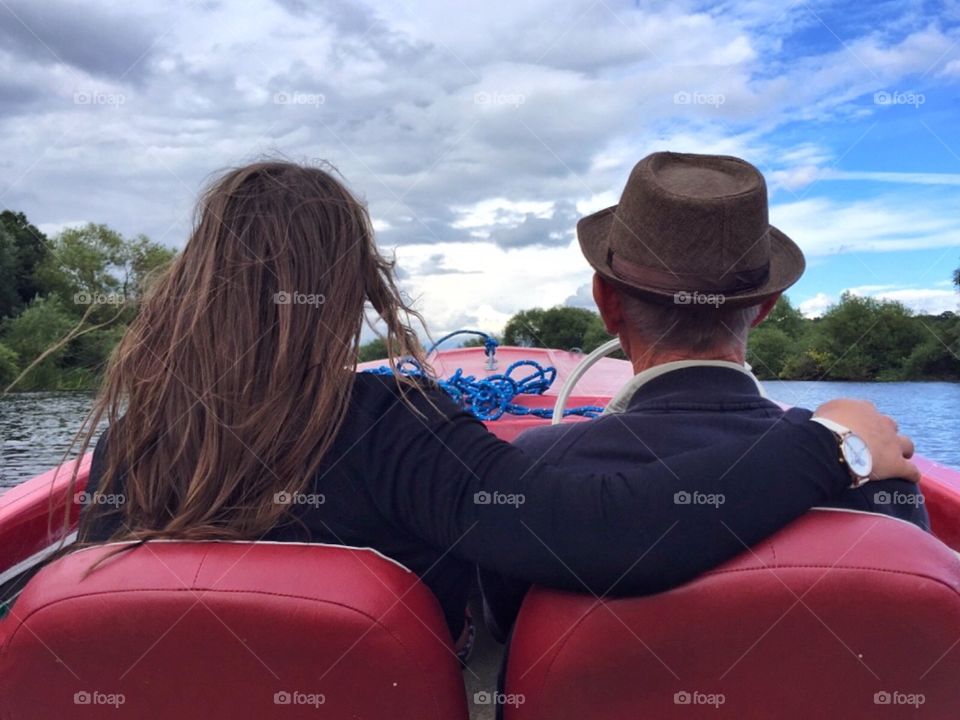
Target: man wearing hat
{"points": [[685, 265]]}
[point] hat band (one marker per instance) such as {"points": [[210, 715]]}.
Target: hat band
{"points": [[732, 282]]}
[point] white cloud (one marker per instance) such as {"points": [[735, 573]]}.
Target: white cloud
{"points": [[895, 177], [53, 229], [796, 178], [817, 305], [500, 211], [511, 280], [802, 176], [475, 132], [822, 226], [926, 301], [582, 298], [952, 68]]}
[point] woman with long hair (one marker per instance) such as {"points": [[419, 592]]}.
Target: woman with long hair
{"points": [[234, 412]]}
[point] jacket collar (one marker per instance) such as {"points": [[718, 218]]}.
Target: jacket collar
{"points": [[702, 380]]}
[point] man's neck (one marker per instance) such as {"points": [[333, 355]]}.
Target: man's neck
{"points": [[644, 360]]}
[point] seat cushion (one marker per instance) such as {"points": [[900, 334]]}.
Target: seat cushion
{"points": [[838, 615], [228, 630]]}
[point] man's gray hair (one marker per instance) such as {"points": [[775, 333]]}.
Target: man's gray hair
{"points": [[684, 327]]}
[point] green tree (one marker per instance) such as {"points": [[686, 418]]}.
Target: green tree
{"points": [[144, 261], [87, 354], [86, 262], [94, 260], [596, 336], [30, 249], [9, 298], [374, 350], [559, 327], [524, 329], [93, 278], [34, 332], [786, 318], [937, 358], [807, 363], [767, 351], [870, 338], [9, 368]]}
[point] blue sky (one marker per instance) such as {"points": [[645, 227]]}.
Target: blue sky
{"points": [[906, 153], [479, 132]]}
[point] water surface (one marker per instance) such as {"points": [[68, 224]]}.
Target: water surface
{"points": [[37, 428]]}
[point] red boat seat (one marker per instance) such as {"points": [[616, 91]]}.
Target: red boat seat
{"points": [[839, 615], [228, 630]]}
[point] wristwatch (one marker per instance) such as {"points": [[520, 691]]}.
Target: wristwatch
{"points": [[854, 452]]}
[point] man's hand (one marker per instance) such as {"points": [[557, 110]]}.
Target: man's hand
{"points": [[890, 451]]}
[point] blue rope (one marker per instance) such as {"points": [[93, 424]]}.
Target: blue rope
{"points": [[489, 398], [489, 342]]}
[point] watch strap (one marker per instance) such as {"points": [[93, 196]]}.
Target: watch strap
{"points": [[836, 427], [841, 432]]}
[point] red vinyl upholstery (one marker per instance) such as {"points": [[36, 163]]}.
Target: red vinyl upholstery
{"points": [[840, 615], [176, 630]]}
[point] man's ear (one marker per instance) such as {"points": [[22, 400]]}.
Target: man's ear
{"points": [[608, 303], [765, 310]]}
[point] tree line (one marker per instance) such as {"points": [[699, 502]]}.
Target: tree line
{"points": [[858, 338], [66, 300]]}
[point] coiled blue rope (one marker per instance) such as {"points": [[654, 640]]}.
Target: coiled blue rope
{"points": [[489, 398]]}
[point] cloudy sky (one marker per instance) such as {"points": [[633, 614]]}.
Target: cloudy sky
{"points": [[479, 131]]}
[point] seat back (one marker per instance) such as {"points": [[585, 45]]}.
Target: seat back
{"points": [[228, 630], [839, 615]]}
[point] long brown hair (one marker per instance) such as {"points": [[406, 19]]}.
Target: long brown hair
{"points": [[232, 382]]}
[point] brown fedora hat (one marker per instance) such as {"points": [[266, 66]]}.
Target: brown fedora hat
{"points": [[692, 224]]}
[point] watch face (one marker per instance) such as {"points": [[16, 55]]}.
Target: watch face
{"points": [[857, 455]]}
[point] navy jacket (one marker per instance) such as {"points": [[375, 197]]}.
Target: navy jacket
{"points": [[426, 484], [686, 409]]}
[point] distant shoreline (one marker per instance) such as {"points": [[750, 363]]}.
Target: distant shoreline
{"points": [[875, 381]]}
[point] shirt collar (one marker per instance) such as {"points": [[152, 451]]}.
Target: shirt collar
{"points": [[622, 399]]}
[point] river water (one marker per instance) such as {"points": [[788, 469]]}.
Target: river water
{"points": [[37, 428]]}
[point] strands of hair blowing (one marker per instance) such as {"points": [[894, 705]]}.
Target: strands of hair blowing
{"points": [[236, 374]]}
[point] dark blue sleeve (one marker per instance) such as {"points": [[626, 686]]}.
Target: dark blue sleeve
{"points": [[503, 596], [896, 498], [452, 483]]}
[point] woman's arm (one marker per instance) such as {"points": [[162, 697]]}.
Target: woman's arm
{"points": [[98, 522], [612, 533]]}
